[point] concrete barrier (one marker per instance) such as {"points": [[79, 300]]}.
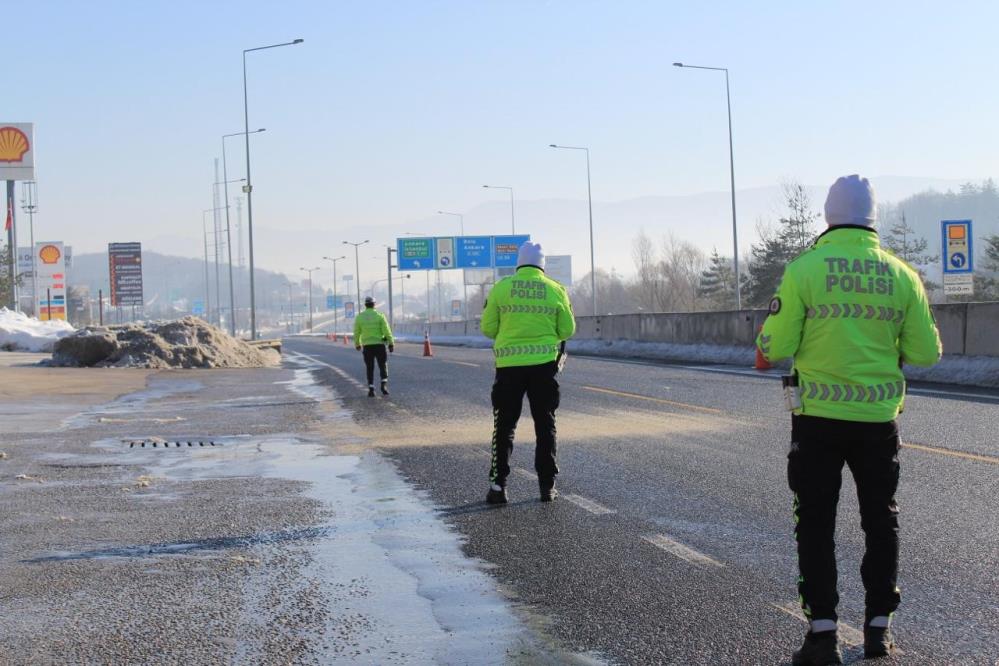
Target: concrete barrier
{"points": [[965, 328]]}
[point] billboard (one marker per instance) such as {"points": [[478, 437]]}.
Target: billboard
{"points": [[17, 151], [50, 261], [125, 273], [559, 268]]}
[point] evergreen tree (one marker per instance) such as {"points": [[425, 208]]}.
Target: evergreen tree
{"points": [[717, 282], [986, 282], [794, 234], [902, 240]]}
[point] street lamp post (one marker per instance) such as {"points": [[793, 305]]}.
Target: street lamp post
{"points": [[589, 198], [215, 247], [228, 241], [310, 271], [388, 256], [208, 291], [248, 188], [357, 272], [731, 168], [461, 230], [389, 280], [333, 261], [513, 225], [228, 234]]}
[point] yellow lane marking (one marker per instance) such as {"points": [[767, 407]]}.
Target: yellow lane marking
{"points": [[950, 452], [662, 401]]}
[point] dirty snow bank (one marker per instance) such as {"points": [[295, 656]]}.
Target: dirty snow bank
{"points": [[185, 343], [952, 369], [19, 332]]}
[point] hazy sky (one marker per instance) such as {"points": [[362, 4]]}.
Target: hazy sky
{"points": [[392, 110]]}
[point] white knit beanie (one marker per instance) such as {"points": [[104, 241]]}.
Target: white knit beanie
{"points": [[851, 201], [531, 254]]}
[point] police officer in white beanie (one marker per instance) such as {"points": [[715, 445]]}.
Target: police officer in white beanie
{"points": [[849, 314], [529, 316]]}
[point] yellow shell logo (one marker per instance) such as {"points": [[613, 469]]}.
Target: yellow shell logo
{"points": [[13, 144], [49, 254]]}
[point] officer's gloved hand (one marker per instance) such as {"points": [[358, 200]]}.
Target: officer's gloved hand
{"points": [[391, 348], [357, 347]]}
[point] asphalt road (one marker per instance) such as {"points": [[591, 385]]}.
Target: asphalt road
{"points": [[672, 541]]}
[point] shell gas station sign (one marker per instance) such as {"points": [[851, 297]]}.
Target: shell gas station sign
{"points": [[17, 153], [50, 301]]}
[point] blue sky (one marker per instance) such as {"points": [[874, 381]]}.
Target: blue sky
{"points": [[392, 110]]}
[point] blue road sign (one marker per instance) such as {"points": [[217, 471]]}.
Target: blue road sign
{"points": [[474, 252], [415, 254], [958, 251], [505, 250], [348, 309], [198, 307]]}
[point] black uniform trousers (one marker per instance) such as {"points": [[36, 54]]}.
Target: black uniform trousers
{"points": [[371, 354], [819, 448], [541, 387]]}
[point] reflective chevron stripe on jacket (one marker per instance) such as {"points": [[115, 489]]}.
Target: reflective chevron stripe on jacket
{"points": [[853, 392]]}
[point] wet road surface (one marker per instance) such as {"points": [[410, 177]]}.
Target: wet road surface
{"points": [[672, 541]]}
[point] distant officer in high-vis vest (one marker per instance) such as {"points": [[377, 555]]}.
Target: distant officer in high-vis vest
{"points": [[371, 335], [530, 317], [850, 314]]}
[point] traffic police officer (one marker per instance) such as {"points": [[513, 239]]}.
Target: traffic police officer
{"points": [[530, 317], [850, 314], [372, 334]]}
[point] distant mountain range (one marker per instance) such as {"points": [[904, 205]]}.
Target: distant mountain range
{"points": [[561, 226]]}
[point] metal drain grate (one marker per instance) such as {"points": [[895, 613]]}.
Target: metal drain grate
{"points": [[172, 444]]}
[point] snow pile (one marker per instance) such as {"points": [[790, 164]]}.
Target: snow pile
{"points": [[185, 343], [19, 332]]}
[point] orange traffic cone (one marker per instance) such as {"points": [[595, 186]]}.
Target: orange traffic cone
{"points": [[427, 349], [761, 361], [345, 341]]}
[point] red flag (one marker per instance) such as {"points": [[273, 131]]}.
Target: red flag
{"points": [[10, 215]]}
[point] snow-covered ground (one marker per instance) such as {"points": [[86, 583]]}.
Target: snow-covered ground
{"points": [[952, 369], [18, 332]]}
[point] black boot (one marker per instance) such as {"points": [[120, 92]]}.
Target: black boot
{"points": [[371, 391], [548, 492], [878, 642], [818, 650], [495, 496], [385, 387]]}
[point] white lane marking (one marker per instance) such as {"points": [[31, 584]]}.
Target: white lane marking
{"points": [[471, 365], [343, 374], [524, 473], [676, 548], [587, 504], [849, 635], [773, 374]]}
